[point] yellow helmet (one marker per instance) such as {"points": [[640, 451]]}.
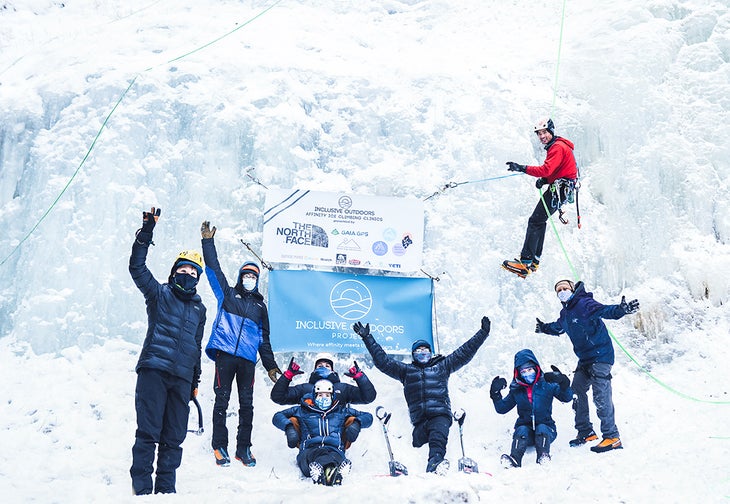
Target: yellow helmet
{"points": [[191, 257]]}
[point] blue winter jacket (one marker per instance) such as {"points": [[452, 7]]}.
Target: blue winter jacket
{"points": [[426, 386], [321, 427], [534, 402], [175, 322], [581, 319], [241, 326]]}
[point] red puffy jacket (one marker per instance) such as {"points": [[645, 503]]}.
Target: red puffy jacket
{"points": [[559, 162]]}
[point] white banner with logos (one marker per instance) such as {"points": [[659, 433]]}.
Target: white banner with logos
{"points": [[346, 230]]}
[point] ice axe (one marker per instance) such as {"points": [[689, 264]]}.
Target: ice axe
{"points": [[396, 468], [466, 464], [199, 431]]}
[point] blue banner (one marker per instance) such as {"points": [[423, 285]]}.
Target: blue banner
{"points": [[313, 311]]}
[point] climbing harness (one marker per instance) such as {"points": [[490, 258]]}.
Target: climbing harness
{"points": [[564, 191]]}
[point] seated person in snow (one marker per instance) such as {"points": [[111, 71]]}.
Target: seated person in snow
{"points": [[532, 393], [322, 427], [284, 393]]}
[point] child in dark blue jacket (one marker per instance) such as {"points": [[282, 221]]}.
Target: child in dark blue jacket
{"points": [[532, 393], [322, 427]]}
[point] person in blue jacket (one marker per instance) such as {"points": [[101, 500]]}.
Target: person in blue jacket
{"points": [[240, 332], [322, 426], [168, 369], [284, 393], [426, 388], [581, 318], [532, 392]]}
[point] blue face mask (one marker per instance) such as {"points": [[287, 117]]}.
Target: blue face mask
{"points": [[422, 355], [322, 372], [185, 283], [323, 402], [528, 375]]}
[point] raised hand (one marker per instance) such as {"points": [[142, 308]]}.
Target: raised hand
{"points": [[486, 324], [495, 389], [205, 230], [630, 307], [149, 219], [292, 370], [540, 326], [361, 330], [354, 372], [556, 376]]}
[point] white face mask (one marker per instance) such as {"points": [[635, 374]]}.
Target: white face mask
{"points": [[564, 295], [248, 283]]}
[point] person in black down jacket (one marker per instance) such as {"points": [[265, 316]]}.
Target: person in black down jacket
{"points": [[425, 386], [240, 332], [285, 393], [168, 370], [532, 392]]}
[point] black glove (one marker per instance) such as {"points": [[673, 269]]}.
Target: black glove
{"points": [[497, 385], [361, 330], [149, 219], [540, 182], [516, 167], [292, 436], [486, 324], [540, 326], [205, 230], [555, 376], [352, 431], [630, 307], [354, 372]]}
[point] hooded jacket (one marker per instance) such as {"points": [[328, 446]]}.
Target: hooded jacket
{"points": [[175, 322], [241, 326], [581, 318], [534, 402], [559, 162], [426, 386], [284, 393], [321, 427]]}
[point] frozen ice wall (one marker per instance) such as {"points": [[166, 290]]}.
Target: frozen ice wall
{"points": [[391, 99]]}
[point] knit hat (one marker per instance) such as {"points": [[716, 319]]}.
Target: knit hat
{"points": [[250, 267], [567, 282], [420, 343]]}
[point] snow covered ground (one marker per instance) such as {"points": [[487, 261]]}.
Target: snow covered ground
{"points": [[109, 107]]}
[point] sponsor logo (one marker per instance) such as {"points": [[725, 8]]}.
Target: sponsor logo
{"points": [[351, 299], [304, 234], [380, 248]]}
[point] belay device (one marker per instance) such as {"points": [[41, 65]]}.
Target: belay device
{"points": [[396, 468], [466, 464]]}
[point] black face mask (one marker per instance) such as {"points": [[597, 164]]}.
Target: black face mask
{"points": [[184, 282]]}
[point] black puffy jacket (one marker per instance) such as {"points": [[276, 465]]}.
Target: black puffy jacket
{"points": [[284, 393], [425, 386], [174, 324]]}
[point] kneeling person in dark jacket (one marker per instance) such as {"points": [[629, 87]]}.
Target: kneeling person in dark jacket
{"points": [[426, 388], [325, 427], [532, 393]]}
